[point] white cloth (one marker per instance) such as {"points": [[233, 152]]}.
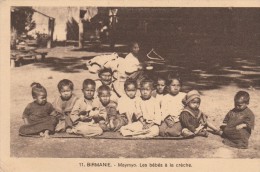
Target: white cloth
{"points": [[172, 105], [136, 130], [129, 65], [149, 110], [128, 106]]}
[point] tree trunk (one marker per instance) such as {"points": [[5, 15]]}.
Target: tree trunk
{"points": [[81, 34], [50, 32]]}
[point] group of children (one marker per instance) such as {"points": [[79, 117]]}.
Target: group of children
{"points": [[163, 111], [133, 107]]}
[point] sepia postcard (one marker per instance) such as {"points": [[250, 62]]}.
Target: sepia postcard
{"points": [[130, 85]]}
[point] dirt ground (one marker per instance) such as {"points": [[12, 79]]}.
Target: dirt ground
{"points": [[217, 77]]}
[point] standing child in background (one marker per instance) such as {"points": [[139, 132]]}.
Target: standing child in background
{"points": [[239, 122], [171, 109], [127, 104], [129, 68], [64, 104], [107, 116], [149, 117], [37, 115], [82, 112], [192, 119]]}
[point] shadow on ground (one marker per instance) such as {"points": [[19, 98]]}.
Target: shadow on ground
{"points": [[199, 67]]}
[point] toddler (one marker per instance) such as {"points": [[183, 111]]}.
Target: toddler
{"points": [[148, 115], [192, 119], [83, 110], [106, 114], [171, 109], [127, 104], [239, 122], [39, 115], [64, 104]]}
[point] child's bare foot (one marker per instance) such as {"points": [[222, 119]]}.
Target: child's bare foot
{"points": [[46, 134], [219, 132], [41, 134], [203, 133], [70, 130], [111, 125]]}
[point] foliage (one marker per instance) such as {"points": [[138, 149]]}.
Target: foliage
{"points": [[21, 19]]}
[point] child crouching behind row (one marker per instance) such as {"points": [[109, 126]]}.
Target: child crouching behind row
{"points": [[106, 111]]}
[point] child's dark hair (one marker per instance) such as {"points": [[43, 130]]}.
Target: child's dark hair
{"points": [[149, 81], [103, 88], [131, 45], [37, 88], [65, 82], [243, 94], [88, 82], [129, 82], [172, 77], [162, 78], [104, 70]]}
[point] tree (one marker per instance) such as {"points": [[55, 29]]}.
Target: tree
{"points": [[21, 22]]}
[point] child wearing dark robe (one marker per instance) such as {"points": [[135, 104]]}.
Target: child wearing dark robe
{"points": [[239, 122], [39, 115]]}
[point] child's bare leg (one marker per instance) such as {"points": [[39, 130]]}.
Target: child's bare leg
{"points": [[214, 128], [46, 134]]}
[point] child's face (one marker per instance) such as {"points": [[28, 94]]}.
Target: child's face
{"points": [[106, 78], [135, 49], [104, 97], [175, 87], [146, 91], [41, 98], [240, 104], [160, 86], [130, 91], [88, 91], [66, 92], [194, 104]]}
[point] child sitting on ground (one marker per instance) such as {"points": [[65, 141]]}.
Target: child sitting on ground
{"points": [[192, 119], [239, 122], [148, 115], [64, 104], [127, 104], [38, 115], [171, 109], [161, 90], [107, 116], [83, 110]]}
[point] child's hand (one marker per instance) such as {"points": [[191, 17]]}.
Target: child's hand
{"points": [[82, 117], [240, 126], [147, 126], [83, 113], [94, 112]]}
